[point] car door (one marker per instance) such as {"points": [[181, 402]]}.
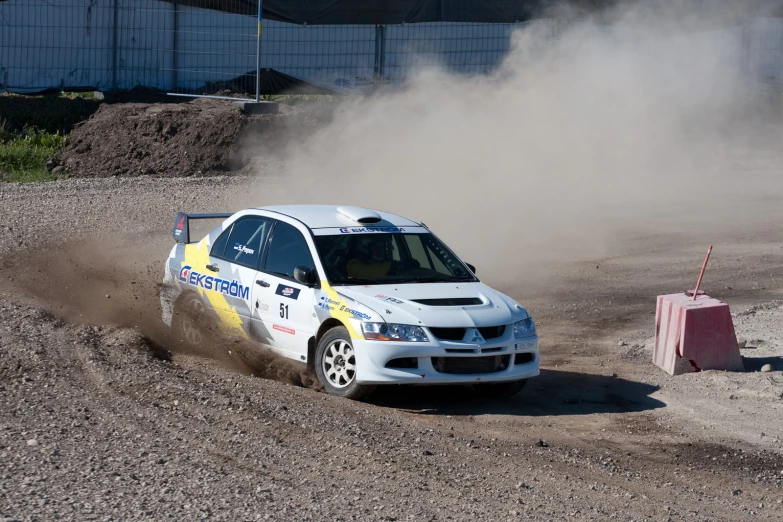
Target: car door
{"points": [[288, 312], [235, 258]]}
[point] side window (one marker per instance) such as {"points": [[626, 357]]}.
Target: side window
{"points": [[442, 261], [287, 250], [437, 263], [246, 241], [219, 247], [417, 251]]}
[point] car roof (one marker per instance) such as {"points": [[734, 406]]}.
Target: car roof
{"points": [[328, 216]]}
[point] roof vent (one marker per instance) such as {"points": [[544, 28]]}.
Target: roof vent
{"points": [[360, 215]]}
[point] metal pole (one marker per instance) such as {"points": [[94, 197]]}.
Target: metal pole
{"points": [[380, 39], [115, 44], [210, 97], [258, 52], [382, 64], [175, 48], [698, 283], [377, 65]]}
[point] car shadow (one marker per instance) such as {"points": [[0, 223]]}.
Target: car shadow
{"points": [[551, 393], [754, 364]]}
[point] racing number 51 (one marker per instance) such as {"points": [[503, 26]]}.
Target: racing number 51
{"points": [[284, 311]]}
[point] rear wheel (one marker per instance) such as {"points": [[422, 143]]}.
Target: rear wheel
{"points": [[499, 390], [335, 365], [189, 317]]}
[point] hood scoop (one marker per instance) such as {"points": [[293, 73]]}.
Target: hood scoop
{"points": [[449, 301], [360, 215]]}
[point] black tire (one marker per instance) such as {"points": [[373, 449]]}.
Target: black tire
{"points": [[188, 323], [499, 390], [335, 365]]}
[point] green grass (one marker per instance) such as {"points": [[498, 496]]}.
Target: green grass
{"points": [[89, 95], [33, 128], [22, 156]]}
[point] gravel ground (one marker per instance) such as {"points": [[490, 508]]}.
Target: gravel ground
{"points": [[101, 419]]}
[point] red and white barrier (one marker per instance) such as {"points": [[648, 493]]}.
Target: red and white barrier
{"points": [[694, 333]]}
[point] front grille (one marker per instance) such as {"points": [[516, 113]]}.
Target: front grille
{"points": [[449, 334], [450, 301], [466, 365], [456, 334], [492, 332], [403, 362], [522, 358]]}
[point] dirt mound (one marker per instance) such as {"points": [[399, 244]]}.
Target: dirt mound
{"points": [[200, 137]]}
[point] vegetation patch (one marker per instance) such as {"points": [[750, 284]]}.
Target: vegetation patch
{"points": [[54, 135], [33, 128], [23, 156]]}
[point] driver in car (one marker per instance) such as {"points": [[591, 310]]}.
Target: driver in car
{"points": [[373, 257]]}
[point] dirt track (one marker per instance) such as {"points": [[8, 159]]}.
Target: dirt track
{"points": [[99, 422]]}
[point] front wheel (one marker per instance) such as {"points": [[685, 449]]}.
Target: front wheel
{"points": [[500, 390], [335, 365]]}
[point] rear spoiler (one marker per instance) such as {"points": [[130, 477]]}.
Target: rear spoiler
{"points": [[181, 232]]}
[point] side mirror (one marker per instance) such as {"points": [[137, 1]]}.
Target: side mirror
{"points": [[472, 268], [304, 275]]}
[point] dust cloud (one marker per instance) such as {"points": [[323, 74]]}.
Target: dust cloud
{"points": [[112, 281], [586, 134]]}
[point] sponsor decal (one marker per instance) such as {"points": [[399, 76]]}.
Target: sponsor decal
{"points": [[389, 299], [287, 291], [244, 249], [365, 230], [180, 227], [328, 301], [230, 288], [284, 329], [355, 313], [331, 304]]}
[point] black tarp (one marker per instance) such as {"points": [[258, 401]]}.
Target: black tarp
{"points": [[324, 12], [391, 12], [272, 82]]}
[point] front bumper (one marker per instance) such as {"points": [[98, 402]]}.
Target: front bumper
{"points": [[437, 362]]}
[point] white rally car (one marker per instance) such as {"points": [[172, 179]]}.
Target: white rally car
{"points": [[364, 297]]}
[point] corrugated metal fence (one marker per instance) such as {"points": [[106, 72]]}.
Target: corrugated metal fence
{"points": [[124, 44]]}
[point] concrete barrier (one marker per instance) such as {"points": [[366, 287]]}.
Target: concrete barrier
{"points": [[691, 336]]}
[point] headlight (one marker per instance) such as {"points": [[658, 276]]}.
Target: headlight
{"points": [[393, 332], [524, 328]]}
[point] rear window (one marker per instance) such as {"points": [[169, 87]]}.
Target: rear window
{"points": [[243, 242]]}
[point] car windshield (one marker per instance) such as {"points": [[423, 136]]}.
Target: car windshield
{"points": [[389, 258]]}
